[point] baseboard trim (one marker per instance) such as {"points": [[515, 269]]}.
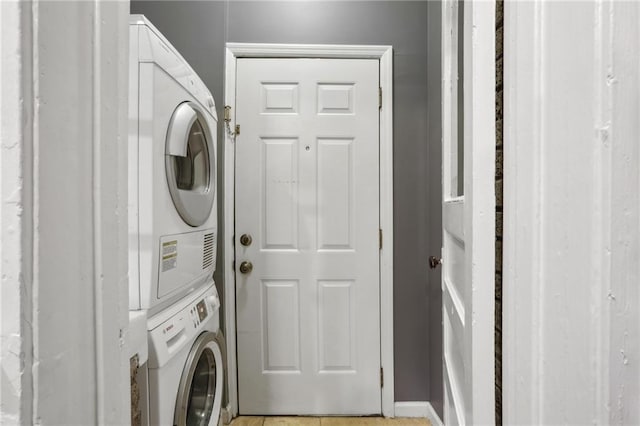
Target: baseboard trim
{"points": [[417, 409]]}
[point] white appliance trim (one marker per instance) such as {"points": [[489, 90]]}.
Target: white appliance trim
{"points": [[420, 409], [385, 55]]}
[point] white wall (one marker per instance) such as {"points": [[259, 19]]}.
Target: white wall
{"points": [[63, 213], [572, 213]]}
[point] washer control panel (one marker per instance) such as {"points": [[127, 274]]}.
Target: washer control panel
{"points": [[180, 329]]}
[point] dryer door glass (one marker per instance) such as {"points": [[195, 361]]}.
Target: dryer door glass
{"points": [[203, 389], [190, 163], [192, 171]]}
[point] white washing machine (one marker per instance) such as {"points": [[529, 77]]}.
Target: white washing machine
{"points": [[172, 173], [185, 366]]}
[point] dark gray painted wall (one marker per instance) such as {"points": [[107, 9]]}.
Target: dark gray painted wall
{"points": [[434, 195], [200, 29]]}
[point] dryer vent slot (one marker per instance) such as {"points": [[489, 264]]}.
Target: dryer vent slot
{"points": [[208, 252]]}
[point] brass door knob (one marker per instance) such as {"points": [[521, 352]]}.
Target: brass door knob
{"points": [[246, 267], [246, 240]]}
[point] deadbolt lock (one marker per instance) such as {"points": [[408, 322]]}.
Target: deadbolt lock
{"points": [[246, 267], [246, 240], [434, 262]]}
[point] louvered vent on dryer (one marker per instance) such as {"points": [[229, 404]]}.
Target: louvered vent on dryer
{"points": [[208, 252]]}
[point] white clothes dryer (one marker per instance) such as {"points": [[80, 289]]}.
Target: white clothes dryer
{"points": [[185, 367], [172, 173]]}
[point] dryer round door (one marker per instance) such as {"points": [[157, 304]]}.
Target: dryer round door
{"points": [[200, 391], [190, 164]]}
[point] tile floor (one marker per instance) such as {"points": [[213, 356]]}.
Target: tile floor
{"points": [[326, 421]]}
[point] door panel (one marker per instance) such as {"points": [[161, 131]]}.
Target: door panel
{"points": [[281, 325], [334, 194], [307, 191], [279, 197], [468, 208]]}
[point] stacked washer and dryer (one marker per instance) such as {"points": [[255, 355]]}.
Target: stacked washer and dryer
{"points": [[173, 232]]}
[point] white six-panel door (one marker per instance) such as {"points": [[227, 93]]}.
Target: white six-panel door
{"points": [[468, 211], [307, 193]]}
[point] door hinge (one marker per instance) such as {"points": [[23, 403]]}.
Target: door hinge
{"points": [[381, 377], [379, 97], [380, 238]]}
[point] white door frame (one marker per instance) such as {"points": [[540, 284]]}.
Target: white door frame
{"points": [[44, 288], [571, 281], [385, 55]]}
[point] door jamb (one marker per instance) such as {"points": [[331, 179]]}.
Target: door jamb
{"points": [[385, 56]]}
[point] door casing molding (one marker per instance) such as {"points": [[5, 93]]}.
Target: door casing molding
{"points": [[385, 56]]}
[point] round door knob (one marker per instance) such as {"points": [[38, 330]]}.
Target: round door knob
{"points": [[246, 267], [434, 262], [245, 240]]}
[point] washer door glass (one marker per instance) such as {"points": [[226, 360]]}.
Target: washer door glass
{"points": [[190, 164], [202, 392]]}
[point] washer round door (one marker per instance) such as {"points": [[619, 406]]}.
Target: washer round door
{"points": [[200, 391], [190, 163]]}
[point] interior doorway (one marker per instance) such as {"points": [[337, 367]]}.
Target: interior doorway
{"points": [[334, 94]]}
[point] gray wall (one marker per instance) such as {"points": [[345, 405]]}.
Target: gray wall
{"points": [[200, 29], [434, 195]]}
